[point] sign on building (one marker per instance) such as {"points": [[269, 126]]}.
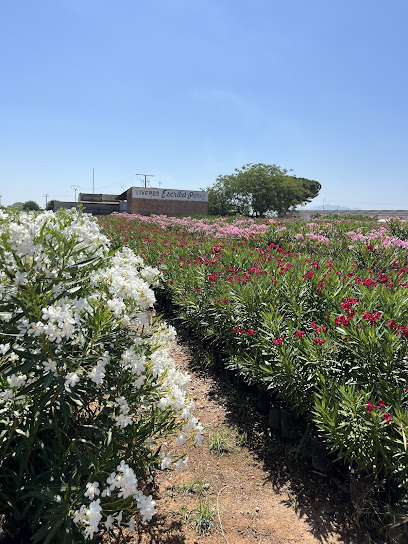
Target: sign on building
{"points": [[170, 194]]}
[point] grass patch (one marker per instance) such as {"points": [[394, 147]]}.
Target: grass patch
{"points": [[204, 518]]}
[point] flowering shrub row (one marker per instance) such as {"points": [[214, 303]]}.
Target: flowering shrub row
{"points": [[88, 392], [314, 311]]}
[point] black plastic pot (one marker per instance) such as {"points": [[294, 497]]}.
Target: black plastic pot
{"points": [[398, 530], [320, 455], [264, 400], [289, 423], [274, 418], [398, 533], [361, 485]]}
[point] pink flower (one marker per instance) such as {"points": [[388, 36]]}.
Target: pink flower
{"points": [[381, 403], [277, 341], [387, 417], [298, 334]]}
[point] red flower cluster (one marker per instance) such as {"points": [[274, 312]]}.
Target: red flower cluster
{"points": [[399, 329], [242, 331], [372, 318], [348, 303], [298, 334], [342, 320], [371, 407], [316, 327], [308, 276]]}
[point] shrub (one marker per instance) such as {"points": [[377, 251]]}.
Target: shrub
{"points": [[87, 388]]}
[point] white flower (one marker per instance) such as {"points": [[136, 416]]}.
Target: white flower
{"points": [[139, 382], [166, 460], [92, 489], [146, 506], [181, 463], [109, 522], [131, 523], [97, 373], [119, 518], [181, 439], [71, 379], [93, 517], [4, 348], [49, 366], [6, 395], [80, 514], [16, 381]]}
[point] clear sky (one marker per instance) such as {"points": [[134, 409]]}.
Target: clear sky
{"points": [[187, 90]]}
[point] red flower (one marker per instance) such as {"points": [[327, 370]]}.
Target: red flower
{"points": [[387, 417], [251, 332], [277, 341], [341, 321], [235, 329], [381, 403], [370, 407], [299, 334], [320, 341]]}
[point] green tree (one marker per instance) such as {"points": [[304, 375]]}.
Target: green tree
{"points": [[260, 189], [30, 205], [50, 205]]}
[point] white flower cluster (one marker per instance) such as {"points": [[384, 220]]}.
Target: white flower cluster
{"points": [[97, 373], [122, 484], [127, 281], [78, 326]]}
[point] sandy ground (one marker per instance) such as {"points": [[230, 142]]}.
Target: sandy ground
{"points": [[258, 489]]}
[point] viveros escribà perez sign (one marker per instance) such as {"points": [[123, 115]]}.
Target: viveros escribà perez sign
{"points": [[169, 194]]}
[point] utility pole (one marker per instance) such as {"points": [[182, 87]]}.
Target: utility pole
{"points": [[75, 187], [0, 199], [146, 176], [46, 199]]}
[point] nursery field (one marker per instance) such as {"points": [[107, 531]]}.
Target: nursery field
{"points": [[313, 314]]}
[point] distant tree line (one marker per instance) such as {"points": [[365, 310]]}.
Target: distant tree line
{"points": [[258, 190]]}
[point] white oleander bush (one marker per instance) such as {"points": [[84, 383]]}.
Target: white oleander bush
{"points": [[88, 393]]}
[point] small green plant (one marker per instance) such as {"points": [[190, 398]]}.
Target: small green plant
{"points": [[204, 518], [241, 438], [197, 487], [220, 442], [184, 512]]}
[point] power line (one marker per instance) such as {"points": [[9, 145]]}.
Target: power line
{"points": [[75, 187], [146, 176]]}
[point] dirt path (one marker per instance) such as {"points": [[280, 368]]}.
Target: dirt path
{"points": [[258, 488]]}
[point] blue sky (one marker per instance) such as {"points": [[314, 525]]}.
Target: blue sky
{"points": [[188, 90]]}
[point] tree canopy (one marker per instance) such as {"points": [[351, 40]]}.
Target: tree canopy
{"points": [[257, 190], [30, 205]]}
